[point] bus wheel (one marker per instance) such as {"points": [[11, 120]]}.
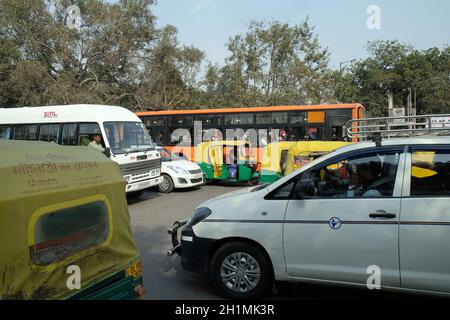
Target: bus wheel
{"points": [[239, 270], [167, 185]]}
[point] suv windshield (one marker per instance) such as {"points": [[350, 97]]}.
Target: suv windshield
{"points": [[127, 137]]}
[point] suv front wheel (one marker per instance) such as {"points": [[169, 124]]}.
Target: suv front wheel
{"points": [[239, 270]]}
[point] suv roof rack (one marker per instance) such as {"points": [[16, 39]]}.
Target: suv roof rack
{"points": [[393, 127]]}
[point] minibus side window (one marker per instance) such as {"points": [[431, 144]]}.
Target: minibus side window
{"points": [[87, 133], [69, 135], [49, 133], [25, 132], [5, 132], [62, 233]]}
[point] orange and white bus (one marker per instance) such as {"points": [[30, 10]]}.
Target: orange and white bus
{"points": [[294, 123]]}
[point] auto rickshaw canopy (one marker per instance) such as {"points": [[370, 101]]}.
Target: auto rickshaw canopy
{"points": [[302, 152], [60, 207]]}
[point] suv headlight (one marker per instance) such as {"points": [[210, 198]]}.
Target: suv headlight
{"points": [[199, 215]]}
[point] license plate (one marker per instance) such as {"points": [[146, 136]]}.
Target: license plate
{"points": [[144, 184], [135, 270]]}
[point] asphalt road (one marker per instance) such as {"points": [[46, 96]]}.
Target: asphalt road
{"points": [[153, 213]]}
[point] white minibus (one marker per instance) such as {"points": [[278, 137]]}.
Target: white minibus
{"points": [[123, 137]]}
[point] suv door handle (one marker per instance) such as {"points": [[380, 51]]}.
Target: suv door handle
{"points": [[382, 214]]}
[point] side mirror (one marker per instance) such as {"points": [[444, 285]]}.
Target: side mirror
{"points": [[305, 189], [107, 152]]}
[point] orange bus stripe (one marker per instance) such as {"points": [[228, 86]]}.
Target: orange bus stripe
{"points": [[251, 109]]}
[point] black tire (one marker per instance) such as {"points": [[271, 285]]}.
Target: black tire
{"points": [[228, 251], [167, 185]]}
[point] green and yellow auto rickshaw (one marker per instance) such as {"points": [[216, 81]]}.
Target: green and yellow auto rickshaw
{"points": [[280, 159], [64, 225], [232, 161], [273, 161]]}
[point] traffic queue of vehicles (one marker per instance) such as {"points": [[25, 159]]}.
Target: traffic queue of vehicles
{"points": [[323, 211], [381, 205], [72, 200]]}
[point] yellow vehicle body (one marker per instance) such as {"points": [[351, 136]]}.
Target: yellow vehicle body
{"points": [[303, 152], [63, 208], [273, 160], [218, 161], [282, 158]]}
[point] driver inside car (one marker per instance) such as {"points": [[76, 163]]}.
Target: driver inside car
{"points": [[363, 179]]}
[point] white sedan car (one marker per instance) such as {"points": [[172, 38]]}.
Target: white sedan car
{"points": [[178, 172]]}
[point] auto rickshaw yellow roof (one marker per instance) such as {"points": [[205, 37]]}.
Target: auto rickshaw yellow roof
{"points": [[39, 179], [30, 168]]}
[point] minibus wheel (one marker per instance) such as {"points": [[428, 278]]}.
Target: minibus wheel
{"points": [[167, 185], [239, 270]]}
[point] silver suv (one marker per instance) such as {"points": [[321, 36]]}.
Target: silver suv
{"points": [[363, 207]]}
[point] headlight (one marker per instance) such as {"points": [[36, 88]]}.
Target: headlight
{"points": [[178, 169], [199, 215], [127, 178]]}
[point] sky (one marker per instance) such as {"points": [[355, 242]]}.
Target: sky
{"points": [[341, 25]]}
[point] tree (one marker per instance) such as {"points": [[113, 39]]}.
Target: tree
{"points": [[98, 62], [274, 63]]}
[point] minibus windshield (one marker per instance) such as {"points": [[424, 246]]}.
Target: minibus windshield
{"points": [[127, 137]]}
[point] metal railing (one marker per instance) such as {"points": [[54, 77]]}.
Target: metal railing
{"points": [[405, 126]]}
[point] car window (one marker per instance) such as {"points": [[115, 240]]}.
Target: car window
{"points": [[368, 175], [363, 176], [430, 173]]}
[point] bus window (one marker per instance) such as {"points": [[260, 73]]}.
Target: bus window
{"points": [[5, 132], [180, 120], [25, 132], [297, 134], [209, 119], [263, 118], [279, 117], [49, 133], [231, 119], [246, 118], [315, 133], [298, 117], [155, 121], [87, 133], [69, 135]]}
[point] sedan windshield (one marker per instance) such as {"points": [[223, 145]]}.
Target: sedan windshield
{"points": [[127, 137]]}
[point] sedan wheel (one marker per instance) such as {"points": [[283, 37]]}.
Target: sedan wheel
{"points": [[166, 185]]}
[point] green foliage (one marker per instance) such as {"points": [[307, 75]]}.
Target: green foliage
{"points": [[402, 69], [118, 56]]}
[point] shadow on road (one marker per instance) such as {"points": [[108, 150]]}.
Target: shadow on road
{"points": [[164, 278], [144, 196]]}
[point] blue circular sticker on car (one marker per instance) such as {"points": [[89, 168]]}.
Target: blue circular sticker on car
{"points": [[335, 223]]}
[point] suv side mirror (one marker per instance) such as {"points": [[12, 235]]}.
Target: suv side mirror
{"points": [[305, 189], [107, 152]]}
